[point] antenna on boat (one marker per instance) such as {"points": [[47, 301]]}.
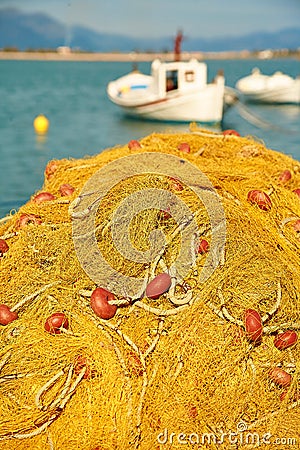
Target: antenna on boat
{"points": [[177, 45]]}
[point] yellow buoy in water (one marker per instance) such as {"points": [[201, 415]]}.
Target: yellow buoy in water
{"points": [[41, 124]]}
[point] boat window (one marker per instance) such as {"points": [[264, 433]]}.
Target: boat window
{"points": [[189, 76], [171, 80]]}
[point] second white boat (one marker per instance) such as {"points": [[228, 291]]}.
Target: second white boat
{"points": [[276, 88]]}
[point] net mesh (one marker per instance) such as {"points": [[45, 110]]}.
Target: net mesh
{"points": [[169, 372]]}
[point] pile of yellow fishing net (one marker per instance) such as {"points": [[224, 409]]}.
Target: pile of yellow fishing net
{"points": [[195, 238]]}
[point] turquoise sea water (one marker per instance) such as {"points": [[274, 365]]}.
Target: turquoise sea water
{"points": [[84, 122]]}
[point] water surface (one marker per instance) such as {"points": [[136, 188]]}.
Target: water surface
{"points": [[84, 122]]}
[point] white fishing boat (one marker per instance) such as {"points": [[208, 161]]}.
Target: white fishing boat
{"points": [[175, 91], [276, 88]]}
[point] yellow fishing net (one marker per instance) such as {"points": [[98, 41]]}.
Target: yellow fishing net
{"points": [[181, 370]]}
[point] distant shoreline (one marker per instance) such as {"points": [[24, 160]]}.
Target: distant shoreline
{"points": [[135, 57]]}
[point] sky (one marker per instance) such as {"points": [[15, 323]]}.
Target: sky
{"points": [[157, 18]]}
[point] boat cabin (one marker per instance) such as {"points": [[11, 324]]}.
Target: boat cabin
{"points": [[175, 76]]}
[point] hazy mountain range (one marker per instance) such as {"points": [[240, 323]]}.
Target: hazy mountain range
{"points": [[40, 31]]}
